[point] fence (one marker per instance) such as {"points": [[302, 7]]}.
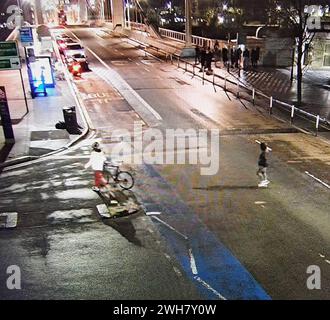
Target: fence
{"points": [[276, 108], [180, 36], [279, 109]]}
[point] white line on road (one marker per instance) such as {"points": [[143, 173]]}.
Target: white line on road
{"points": [[146, 69], [260, 202], [206, 285], [192, 262], [318, 180], [170, 227], [327, 261], [145, 104]]}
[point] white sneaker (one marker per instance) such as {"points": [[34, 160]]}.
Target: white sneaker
{"points": [[262, 184], [96, 189], [267, 182]]}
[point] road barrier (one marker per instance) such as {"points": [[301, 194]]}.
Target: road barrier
{"points": [[279, 109]]}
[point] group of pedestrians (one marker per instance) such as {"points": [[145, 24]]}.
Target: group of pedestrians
{"points": [[231, 58]]}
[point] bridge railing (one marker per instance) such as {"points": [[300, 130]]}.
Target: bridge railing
{"points": [[180, 36], [281, 110]]}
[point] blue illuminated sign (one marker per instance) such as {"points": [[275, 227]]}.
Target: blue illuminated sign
{"points": [[26, 35]]}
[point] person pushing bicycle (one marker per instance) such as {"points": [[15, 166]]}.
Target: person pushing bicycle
{"points": [[96, 161]]}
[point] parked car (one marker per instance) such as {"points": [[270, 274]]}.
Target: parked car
{"points": [[75, 59], [62, 44], [73, 48]]}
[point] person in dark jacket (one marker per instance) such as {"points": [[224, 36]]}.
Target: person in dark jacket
{"points": [[197, 55], [225, 56], [209, 57], [246, 58], [232, 57], [263, 165], [203, 59]]}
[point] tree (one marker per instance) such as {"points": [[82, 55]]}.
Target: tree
{"points": [[300, 17]]}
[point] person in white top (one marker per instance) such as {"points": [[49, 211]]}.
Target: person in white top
{"points": [[96, 161]]}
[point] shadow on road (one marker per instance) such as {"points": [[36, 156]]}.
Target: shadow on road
{"points": [[126, 228], [4, 152]]}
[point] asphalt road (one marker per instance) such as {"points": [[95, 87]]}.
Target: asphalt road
{"points": [[215, 237]]}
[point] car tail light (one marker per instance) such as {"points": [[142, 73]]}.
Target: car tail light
{"points": [[76, 68]]}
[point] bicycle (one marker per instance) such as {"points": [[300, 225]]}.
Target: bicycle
{"points": [[123, 178]]}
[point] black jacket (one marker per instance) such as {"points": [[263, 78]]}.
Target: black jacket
{"points": [[262, 160]]}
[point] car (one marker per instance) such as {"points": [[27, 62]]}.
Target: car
{"points": [[73, 48], [62, 44], [75, 59]]}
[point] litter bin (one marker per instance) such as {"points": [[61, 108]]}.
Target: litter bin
{"points": [[70, 119]]}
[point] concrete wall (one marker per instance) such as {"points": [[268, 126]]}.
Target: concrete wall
{"points": [[317, 53]]}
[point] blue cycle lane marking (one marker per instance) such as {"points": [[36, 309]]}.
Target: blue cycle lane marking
{"points": [[216, 272]]}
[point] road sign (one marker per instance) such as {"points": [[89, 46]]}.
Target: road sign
{"points": [[26, 35], [8, 49], [10, 64], [9, 56]]}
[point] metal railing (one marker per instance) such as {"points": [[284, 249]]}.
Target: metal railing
{"points": [[279, 109], [180, 36]]}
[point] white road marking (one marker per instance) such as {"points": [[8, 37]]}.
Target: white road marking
{"points": [[170, 227], [11, 220], [294, 161], [327, 261], [321, 255], [153, 213], [146, 69], [192, 262], [260, 202], [206, 285], [318, 180], [177, 271], [133, 92]]}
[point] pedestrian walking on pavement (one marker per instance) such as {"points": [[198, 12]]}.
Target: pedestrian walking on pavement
{"points": [[217, 54], [263, 165], [225, 56], [197, 55], [209, 57], [96, 161], [232, 58], [203, 59], [246, 58]]}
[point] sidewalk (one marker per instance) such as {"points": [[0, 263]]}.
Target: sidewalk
{"points": [[35, 132], [271, 81], [276, 82]]}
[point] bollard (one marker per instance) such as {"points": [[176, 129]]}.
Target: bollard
{"points": [[193, 70], [203, 74], [225, 84], [237, 89], [178, 62], [254, 96], [185, 66], [317, 125], [271, 105], [292, 114], [171, 57]]}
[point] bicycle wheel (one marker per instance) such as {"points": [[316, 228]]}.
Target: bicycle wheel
{"points": [[125, 180]]}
